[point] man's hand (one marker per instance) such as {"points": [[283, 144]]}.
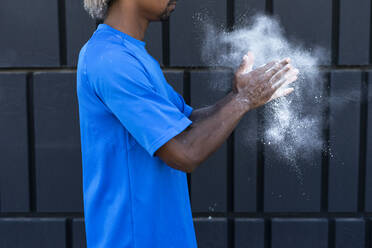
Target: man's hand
{"points": [[268, 82], [212, 125]]}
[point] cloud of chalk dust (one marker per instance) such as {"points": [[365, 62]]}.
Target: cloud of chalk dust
{"points": [[293, 124]]}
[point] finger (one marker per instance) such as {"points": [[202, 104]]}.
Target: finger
{"points": [[271, 72], [285, 80], [292, 72], [267, 66], [281, 93], [280, 74], [289, 81], [247, 63], [250, 62]]}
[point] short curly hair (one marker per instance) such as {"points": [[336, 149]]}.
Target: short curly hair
{"points": [[97, 9]]}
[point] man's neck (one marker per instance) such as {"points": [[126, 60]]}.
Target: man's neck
{"points": [[125, 17]]}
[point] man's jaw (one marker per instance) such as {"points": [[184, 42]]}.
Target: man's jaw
{"points": [[169, 9]]}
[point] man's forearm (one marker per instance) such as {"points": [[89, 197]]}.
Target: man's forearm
{"points": [[210, 128], [212, 125]]}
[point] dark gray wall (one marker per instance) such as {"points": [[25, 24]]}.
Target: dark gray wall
{"points": [[232, 192]]}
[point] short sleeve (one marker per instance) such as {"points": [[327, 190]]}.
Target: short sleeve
{"points": [[186, 109], [148, 116]]}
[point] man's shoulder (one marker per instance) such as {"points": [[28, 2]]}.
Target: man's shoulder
{"points": [[108, 55], [102, 48]]}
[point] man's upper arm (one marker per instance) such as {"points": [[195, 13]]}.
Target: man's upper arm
{"points": [[122, 84]]}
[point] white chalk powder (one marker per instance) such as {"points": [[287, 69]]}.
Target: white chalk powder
{"points": [[293, 124]]}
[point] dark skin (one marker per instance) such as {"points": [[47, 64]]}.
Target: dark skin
{"points": [[211, 125]]}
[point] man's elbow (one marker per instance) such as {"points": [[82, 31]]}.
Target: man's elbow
{"points": [[189, 165], [180, 157], [182, 160], [185, 163]]}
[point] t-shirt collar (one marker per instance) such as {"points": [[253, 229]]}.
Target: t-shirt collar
{"points": [[124, 35]]}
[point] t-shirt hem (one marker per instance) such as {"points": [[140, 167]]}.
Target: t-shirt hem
{"points": [[182, 125]]}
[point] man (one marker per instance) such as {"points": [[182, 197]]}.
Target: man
{"points": [[139, 137]]}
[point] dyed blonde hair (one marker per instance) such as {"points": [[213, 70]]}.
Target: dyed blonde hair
{"points": [[97, 9]]}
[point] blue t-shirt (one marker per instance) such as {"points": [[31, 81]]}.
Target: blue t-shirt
{"points": [[127, 110]]}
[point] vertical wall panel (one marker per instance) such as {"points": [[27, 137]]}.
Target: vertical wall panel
{"points": [[291, 187], [154, 41], [293, 162], [211, 232], [344, 141], [354, 40], [29, 33], [186, 29], [57, 143], [209, 195], [79, 28], [302, 25], [27, 232], [368, 176], [304, 233], [350, 233], [78, 234], [244, 9], [245, 163], [175, 78], [14, 184], [249, 233]]}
